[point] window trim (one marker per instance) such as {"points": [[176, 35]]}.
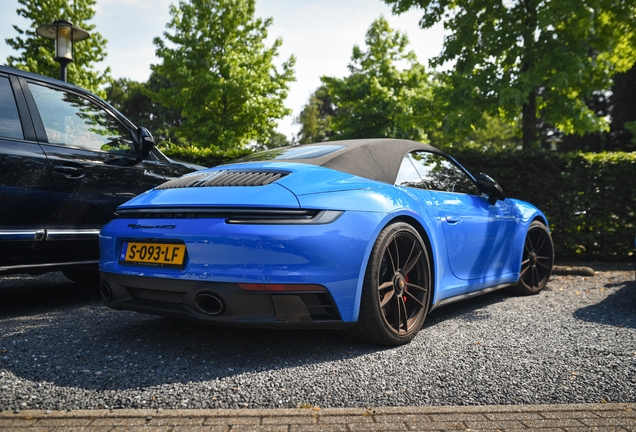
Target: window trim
{"points": [[41, 134]]}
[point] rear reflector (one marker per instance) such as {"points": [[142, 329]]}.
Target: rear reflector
{"points": [[280, 287]]}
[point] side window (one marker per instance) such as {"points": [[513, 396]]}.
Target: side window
{"points": [[442, 174], [408, 175], [10, 126], [71, 120]]}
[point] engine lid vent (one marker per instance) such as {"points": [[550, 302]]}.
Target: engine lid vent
{"points": [[224, 178]]}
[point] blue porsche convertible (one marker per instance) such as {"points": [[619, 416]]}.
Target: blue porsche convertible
{"points": [[364, 236]]}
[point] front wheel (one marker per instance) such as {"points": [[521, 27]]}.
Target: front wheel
{"points": [[537, 261], [396, 289]]}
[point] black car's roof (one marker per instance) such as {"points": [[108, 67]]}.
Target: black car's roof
{"points": [[376, 158], [19, 72]]}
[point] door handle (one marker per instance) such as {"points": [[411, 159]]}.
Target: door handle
{"points": [[70, 172], [453, 219]]}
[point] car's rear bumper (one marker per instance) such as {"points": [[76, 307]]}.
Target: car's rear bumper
{"points": [[221, 303]]}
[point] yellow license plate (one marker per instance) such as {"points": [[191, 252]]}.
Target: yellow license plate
{"points": [[153, 253]]}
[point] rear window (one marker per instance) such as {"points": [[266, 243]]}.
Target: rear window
{"points": [[291, 153]]}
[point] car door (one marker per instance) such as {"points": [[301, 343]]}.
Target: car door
{"points": [[93, 163], [24, 181], [479, 235]]}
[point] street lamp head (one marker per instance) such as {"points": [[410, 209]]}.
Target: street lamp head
{"points": [[64, 34]]}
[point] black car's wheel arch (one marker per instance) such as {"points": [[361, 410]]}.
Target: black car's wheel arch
{"points": [[427, 243]]}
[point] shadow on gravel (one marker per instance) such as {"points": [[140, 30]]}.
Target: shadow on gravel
{"points": [[54, 331], [618, 309], [468, 310], [23, 295]]}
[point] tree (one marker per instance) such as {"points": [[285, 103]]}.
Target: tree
{"points": [[538, 59], [275, 140], [37, 53], [623, 127], [221, 76], [132, 99], [315, 118], [378, 99]]}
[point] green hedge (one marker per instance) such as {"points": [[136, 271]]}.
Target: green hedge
{"points": [[589, 198], [207, 157]]}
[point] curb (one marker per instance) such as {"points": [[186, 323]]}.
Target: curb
{"points": [[605, 416]]}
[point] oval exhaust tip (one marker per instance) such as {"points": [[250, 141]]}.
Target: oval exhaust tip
{"points": [[209, 304], [107, 293]]}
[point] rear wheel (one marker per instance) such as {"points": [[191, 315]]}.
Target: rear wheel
{"points": [[396, 289], [537, 261]]}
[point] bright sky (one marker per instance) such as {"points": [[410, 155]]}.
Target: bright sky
{"points": [[320, 34]]}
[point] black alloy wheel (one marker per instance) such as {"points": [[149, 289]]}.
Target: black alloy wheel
{"points": [[397, 288], [537, 261]]}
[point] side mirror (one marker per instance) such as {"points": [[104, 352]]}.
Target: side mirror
{"points": [[490, 187], [146, 142]]}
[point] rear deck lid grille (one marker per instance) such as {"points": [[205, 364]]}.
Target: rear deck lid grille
{"points": [[224, 178]]}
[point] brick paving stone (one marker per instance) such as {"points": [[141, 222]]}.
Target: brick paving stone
{"points": [[261, 428], [232, 421], [457, 417], [622, 413], [377, 427], [494, 424], [392, 418], [176, 421], [318, 428], [513, 416], [617, 421], [199, 428], [591, 429], [289, 420], [118, 421], [554, 423], [348, 419], [63, 422], [136, 429], [16, 423], [526, 430], [571, 414], [430, 426]]}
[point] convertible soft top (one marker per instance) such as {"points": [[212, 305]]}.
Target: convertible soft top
{"points": [[376, 159]]}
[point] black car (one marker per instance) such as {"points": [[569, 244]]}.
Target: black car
{"points": [[67, 160]]}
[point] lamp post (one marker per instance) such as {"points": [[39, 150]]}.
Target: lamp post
{"points": [[64, 34]]}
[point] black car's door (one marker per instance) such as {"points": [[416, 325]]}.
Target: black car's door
{"points": [[93, 163], [24, 181]]}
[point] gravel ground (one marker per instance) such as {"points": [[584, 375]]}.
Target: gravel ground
{"points": [[573, 343]]}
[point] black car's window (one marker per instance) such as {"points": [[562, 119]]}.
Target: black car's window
{"points": [[72, 120], [10, 126], [408, 175], [440, 173]]}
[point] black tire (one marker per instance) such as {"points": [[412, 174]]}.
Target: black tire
{"points": [[83, 277], [537, 260], [396, 290]]}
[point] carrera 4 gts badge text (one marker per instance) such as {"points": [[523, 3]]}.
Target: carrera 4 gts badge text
{"points": [[136, 226]]}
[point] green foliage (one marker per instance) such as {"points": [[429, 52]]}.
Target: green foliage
{"points": [[275, 140], [221, 76], [589, 198], [531, 57], [205, 156], [37, 53], [315, 118], [131, 99], [493, 135], [378, 99]]}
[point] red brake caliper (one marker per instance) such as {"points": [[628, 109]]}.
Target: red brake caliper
{"points": [[406, 278]]}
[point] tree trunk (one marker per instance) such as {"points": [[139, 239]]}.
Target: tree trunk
{"points": [[529, 108], [529, 120]]}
